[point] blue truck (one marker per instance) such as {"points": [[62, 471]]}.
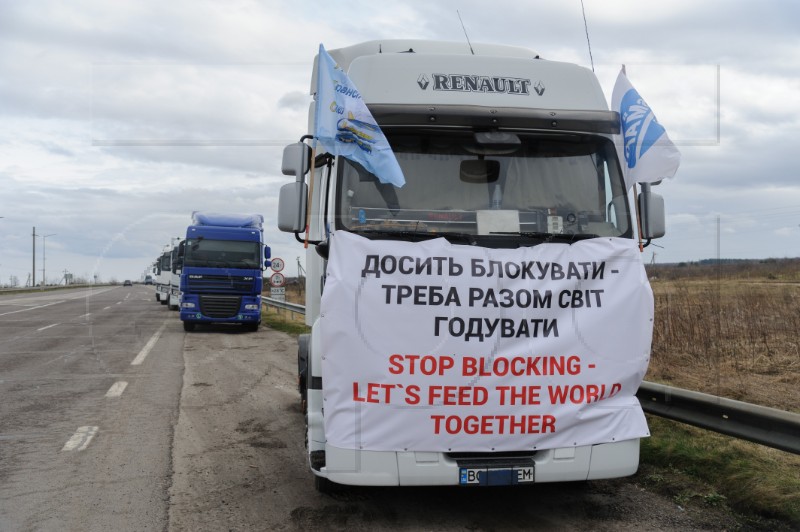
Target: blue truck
{"points": [[221, 261]]}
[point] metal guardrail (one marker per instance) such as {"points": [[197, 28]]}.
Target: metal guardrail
{"points": [[300, 309], [46, 288], [767, 426]]}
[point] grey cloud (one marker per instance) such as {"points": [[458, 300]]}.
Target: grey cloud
{"points": [[295, 100]]}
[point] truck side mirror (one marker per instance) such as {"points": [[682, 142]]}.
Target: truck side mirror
{"points": [[292, 207], [296, 160], [651, 210]]}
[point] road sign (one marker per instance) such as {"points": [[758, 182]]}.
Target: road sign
{"points": [[277, 264], [277, 279], [278, 292]]}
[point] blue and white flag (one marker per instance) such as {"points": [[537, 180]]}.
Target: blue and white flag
{"points": [[344, 126], [646, 153]]}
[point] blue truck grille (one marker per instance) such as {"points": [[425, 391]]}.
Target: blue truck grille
{"points": [[219, 284], [220, 306]]}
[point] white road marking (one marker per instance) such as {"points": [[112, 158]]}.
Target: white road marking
{"points": [[116, 389], [85, 315], [106, 308], [91, 292], [148, 346], [30, 308], [118, 303], [80, 440], [47, 327]]}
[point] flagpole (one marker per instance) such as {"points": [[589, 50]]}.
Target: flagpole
{"points": [[636, 199]]}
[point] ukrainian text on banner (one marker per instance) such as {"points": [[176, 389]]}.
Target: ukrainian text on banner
{"points": [[437, 347]]}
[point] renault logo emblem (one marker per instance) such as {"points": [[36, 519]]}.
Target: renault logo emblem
{"points": [[423, 81]]}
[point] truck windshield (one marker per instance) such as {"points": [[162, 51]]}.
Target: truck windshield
{"points": [[557, 185], [210, 253]]}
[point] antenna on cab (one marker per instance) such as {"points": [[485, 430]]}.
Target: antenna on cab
{"points": [[465, 32]]}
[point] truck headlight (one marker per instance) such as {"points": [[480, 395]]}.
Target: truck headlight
{"points": [[187, 305], [251, 307]]}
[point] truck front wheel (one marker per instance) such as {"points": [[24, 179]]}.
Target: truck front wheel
{"points": [[325, 486], [188, 326]]}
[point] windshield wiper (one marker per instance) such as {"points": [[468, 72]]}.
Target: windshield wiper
{"points": [[547, 237], [417, 235]]}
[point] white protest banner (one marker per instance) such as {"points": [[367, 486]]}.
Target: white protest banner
{"points": [[437, 347]]}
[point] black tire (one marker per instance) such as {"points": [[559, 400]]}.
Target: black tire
{"points": [[252, 327], [302, 366], [325, 486], [188, 326]]}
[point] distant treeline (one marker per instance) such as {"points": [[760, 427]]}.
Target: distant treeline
{"points": [[768, 269]]}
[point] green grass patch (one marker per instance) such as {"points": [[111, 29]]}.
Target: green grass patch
{"points": [[284, 323], [695, 466]]}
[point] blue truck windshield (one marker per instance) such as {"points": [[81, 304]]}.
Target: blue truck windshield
{"points": [[209, 253], [558, 184]]}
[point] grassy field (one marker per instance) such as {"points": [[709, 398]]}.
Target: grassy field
{"points": [[732, 333], [731, 330]]}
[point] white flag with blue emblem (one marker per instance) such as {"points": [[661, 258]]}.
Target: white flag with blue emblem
{"points": [[344, 126], [646, 154]]}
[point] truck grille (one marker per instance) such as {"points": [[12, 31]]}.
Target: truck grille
{"points": [[220, 306], [498, 459], [219, 284]]}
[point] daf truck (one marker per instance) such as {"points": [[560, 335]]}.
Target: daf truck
{"points": [[221, 262], [489, 321]]}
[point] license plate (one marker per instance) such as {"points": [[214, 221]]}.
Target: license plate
{"points": [[481, 476]]}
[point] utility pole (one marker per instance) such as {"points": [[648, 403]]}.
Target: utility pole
{"points": [[33, 269], [44, 262]]}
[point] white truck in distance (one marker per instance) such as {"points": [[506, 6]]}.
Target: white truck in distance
{"points": [[472, 326], [164, 275], [174, 297]]}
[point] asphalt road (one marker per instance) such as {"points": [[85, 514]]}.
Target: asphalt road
{"points": [[207, 434], [61, 353]]}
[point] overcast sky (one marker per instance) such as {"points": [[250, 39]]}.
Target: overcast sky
{"points": [[118, 119]]}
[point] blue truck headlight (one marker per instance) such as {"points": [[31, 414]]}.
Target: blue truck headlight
{"points": [[251, 307], [187, 305]]}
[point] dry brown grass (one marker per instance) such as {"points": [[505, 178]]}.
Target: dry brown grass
{"points": [[295, 293], [731, 330]]}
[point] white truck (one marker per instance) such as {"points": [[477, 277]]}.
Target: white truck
{"points": [[164, 275], [174, 297], [488, 322]]}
